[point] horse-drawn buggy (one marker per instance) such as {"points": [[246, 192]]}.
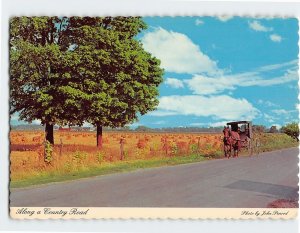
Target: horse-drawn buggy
{"points": [[238, 135]]}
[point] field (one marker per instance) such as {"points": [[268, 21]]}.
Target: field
{"points": [[75, 154]]}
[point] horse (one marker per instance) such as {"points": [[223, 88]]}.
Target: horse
{"points": [[227, 142], [231, 141], [236, 143]]}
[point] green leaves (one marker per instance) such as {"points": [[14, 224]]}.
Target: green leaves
{"points": [[71, 70], [292, 130]]}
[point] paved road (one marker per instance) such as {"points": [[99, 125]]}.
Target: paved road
{"points": [[244, 182]]}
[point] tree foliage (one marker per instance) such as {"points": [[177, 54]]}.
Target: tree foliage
{"points": [[259, 128], [68, 71], [37, 69], [273, 129], [142, 128], [292, 130], [120, 78]]}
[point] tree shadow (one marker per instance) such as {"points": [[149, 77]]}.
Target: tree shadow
{"points": [[280, 191]]}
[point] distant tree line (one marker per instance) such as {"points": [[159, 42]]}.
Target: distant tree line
{"points": [[291, 129], [180, 129]]}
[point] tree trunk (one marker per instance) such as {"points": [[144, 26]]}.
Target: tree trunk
{"points": [[99, 136], [49, 133]]}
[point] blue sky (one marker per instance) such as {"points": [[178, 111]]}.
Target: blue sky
{"points": [[220, 69], [224, 69]]}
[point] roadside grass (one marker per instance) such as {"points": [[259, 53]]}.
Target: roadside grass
{"points": [[270, 142], [45, 177]]}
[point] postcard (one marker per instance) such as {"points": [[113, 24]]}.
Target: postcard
{"points": [[187, 117]]}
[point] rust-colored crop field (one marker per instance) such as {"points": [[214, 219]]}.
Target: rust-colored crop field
{"points": [[76, 155], [75, 150]]}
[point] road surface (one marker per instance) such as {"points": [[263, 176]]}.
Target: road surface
{"points": [[251, 182]]}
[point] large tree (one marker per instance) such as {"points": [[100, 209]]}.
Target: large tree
{"points": [[40, 64], [70, 70], [119, 78]]}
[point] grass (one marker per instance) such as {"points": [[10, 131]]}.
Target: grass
{"points": [[270, 142], [107, 168]]}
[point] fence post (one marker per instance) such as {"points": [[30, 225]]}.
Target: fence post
{"points": [[60, 149], [45, 156], [122, 141], [166, 146], [198, 145]]}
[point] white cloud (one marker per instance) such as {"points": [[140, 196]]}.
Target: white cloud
{"points": [[205, 85], [218, 124], [202, 85], [199, 22], [224, 18], [175, 83], [210, 124], [275, 38], [271, 121], [36, 122], [221, 107], [270, 118], [160, 113], [293, 87], [257, 26], [159, 122], [260, 101], [287, 114], [267, 103], [198, 124], [281, 111], [290, 75], [14, 117], [14, 120], [86, 124], [178, 53], [134, 125], [292, 63]]}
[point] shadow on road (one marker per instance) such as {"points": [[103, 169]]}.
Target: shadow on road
{"points": [[280, 191]]}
